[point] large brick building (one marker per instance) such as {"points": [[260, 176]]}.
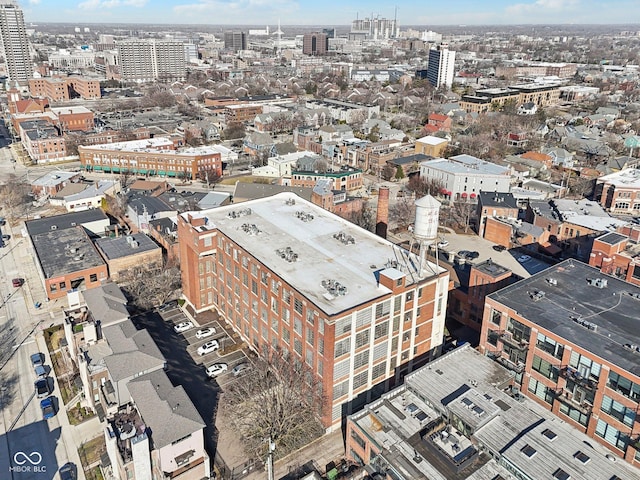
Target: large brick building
{"points": [[570, 333], [281, 271], [153, 156], [63, 89]]}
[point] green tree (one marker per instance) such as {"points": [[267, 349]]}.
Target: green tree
{"points": [[399, 173]]}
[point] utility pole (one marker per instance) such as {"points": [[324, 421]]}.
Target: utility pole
{"points": [[270, 472]]}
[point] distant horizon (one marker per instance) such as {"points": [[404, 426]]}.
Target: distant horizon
{"points": [[414, 13]]}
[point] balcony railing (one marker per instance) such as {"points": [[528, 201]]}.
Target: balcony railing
{"points": [[508, 339], [571, 373], [566, 397]]}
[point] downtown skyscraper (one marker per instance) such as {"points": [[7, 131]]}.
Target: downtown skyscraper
{"points": [[14, 42]]}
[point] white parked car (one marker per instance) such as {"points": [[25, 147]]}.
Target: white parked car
{"points": [[216, 369], [210, 346], [182, 327], [443, 244], [524, 258], [205, 332]]}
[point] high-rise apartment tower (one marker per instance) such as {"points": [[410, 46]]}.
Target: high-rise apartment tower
{"points": [[14, 42]]}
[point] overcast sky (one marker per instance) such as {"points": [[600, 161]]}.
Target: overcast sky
{"points": [[332, 12]]}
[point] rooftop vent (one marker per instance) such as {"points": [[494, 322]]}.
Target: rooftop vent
{"points": [[305, 217], [334, 287], [597, 282], [250, 229], [537, 295], [632, 346], [344, 238], [584, 323], [290, 201], [552, 281], [287, 254], [239, 213]]}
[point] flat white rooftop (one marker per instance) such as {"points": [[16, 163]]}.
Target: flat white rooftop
{"points": [[328, 249]]}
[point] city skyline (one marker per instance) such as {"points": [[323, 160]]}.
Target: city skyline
{"points": [[331, 12]]}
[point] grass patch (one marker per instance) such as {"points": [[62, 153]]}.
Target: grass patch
{"points": [[52, 337], [79, 414], [94, 474], [66, 385], [90, 453]]}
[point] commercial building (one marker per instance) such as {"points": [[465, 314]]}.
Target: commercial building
{"points": [[358, 310], [63, 89], [618, 253], [42, 141], [74, 119], [432, 146], [123, 254], [315, 43], [235, 41], [245, 112], [149, 60], [464, 176], [441, 65], [495, 205], [345, 180], [458, 418], [484, 100], [67, 258], [570, 334], [15, 44], [374, 29], [153, 156]]}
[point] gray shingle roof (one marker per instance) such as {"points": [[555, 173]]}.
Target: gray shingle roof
{"points": [[165, 409]]}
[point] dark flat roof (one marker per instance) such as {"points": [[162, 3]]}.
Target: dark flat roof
{"points": [[612, 310], [61, 252], [119, 247], [65, 220], [612, 238], [494, 199]]}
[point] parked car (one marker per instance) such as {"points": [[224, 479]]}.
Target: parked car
{"points": [[524, 258], [210, 346], [40, 371], [42, 387], [205, 332], [6, 237], [469, 255], [48, 408], [182, 327], [37, 359], [17, 282], [443, 244], [216, 369], [168, 306], [240, 369], [499, 248], [68, 472]]}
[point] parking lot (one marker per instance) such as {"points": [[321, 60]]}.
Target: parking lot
{"points": [[229, 351]]}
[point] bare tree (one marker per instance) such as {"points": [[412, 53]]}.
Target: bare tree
{"points": [[365, 217], [279, 399], [150, 285], [403, 212], [14, 196], [424, 186]]}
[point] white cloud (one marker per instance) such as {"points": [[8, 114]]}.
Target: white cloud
{"points": [[96, 4], [242, 11], [34, 2], [542, 7]]}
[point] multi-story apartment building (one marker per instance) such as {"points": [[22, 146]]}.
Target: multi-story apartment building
{"points": [[63, 89], [235, 40], [281, 271], [619, 192], [315, 43], [441, 64], [571, 335], [42, 141], [487, 99], [153, 156], [244, 112], [617, 253], [348, 179], [15, 44], [465, 176], [459, 418], [149, 60], [74, 119]]}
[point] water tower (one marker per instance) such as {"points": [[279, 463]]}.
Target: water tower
{"points": [[426, 227]]}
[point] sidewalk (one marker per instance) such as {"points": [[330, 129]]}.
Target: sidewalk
{"points": [[67, 435]]}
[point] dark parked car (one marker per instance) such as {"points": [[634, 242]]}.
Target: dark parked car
{"points": [[42, 387], [469, 255], [499, 248]]}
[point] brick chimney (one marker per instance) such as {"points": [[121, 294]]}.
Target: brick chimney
{"points": [[382, 213]]}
